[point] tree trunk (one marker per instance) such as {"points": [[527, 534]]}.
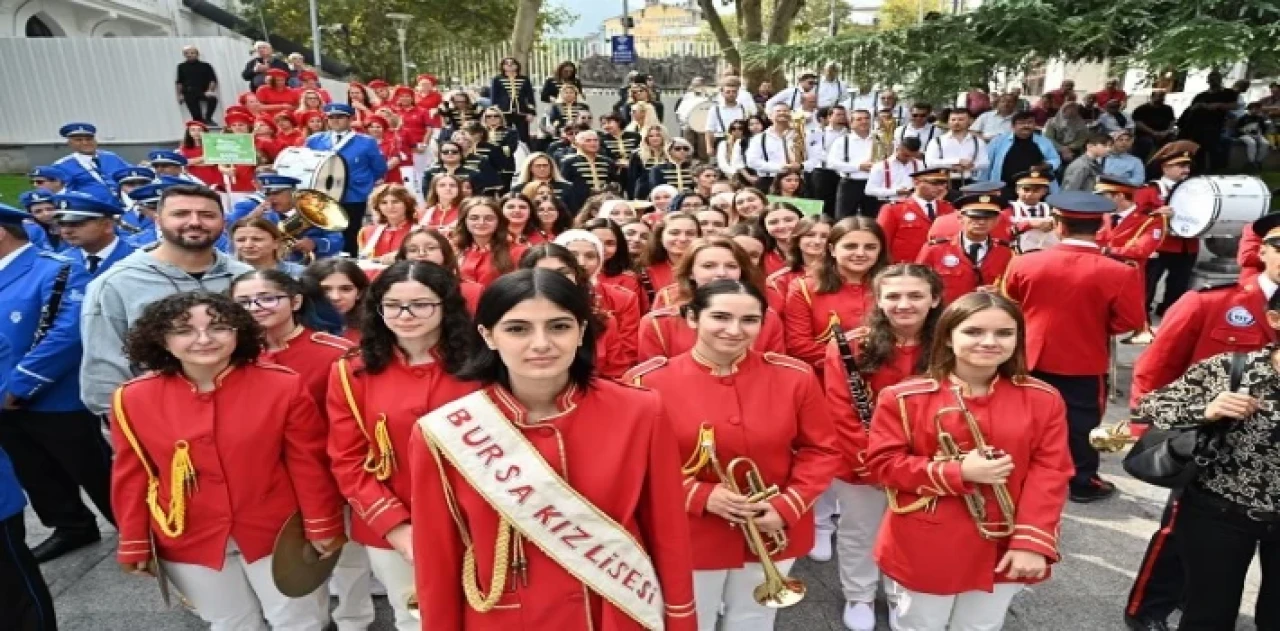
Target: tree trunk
{"points": [[752, 22], [523, 33], [727, 46]]}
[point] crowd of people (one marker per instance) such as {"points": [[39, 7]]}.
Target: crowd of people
{"points": [[555, 384]]}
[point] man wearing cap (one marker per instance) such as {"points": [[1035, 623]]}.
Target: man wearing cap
{"points": [[365, 165], [971, 260], [275, 203], [139, 222], [48, 177], [1121, 163], [129, 178], [1176, 255], [1226, 318], [56, 445], [1074, 299], [170, 164], [88, 169], [948, 225], [88, 225], [906, 224], [1033, 226], [1130, 234], [190, 222], [41, 229]]}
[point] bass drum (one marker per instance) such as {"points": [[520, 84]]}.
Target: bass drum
{"points": [[324, 171], [1217, 205]]}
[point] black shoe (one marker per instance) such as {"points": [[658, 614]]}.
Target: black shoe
{"points": [[1098, 489], [62, 542], [1142, 623]]}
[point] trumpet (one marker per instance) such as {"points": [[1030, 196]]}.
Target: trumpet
{"points": [[777, 591], [1111, 438], [314, 209], [976, 502]]}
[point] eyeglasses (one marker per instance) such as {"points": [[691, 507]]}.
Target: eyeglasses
{"points": [[413, 249], [681, 148], [417, 309], [212, 331], [270, 301], [449, 152], [493, 116]]}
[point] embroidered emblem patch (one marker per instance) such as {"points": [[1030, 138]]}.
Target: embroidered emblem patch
{"points": [[950, 260], [15, 317], [1239, 316], [909, 216]]}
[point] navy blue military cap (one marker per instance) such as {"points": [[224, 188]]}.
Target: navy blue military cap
{"points": [[979, 205], [78, 206], [988, 187], [48, 173], [274, 182], [148, 195], [339, 109], [164, 157], [78, 129], [35, 196], [133, 174], [1267, 227], [937, 175], [1080, 204], [10, 216]]}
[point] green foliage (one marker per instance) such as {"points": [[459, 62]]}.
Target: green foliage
{"points": [[947, 55]]}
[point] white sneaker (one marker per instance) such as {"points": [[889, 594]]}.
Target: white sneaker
{"points": [[821, 551], [859, 616]]}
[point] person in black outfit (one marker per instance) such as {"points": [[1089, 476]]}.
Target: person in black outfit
{"points": [[1204, 121], [26, 603], [197, 85], [566, 74], [255, 71], [1153, 122], [1023, 153]]}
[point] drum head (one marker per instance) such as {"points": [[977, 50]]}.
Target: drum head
{"points": [[699, 117], [331, 177], [1195, 206]]}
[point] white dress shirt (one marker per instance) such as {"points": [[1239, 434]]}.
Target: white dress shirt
{"points": [[102, 254], [947, 150], [729, 157], [1030, 240], [983, 248], [926, 134], [768, 153], [830, 92], [991, 124], [847, 155], [790, 96], [889, 176], [722, 116]]}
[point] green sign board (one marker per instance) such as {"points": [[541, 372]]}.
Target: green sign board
{"points": [[810, 207], [229, 149]]}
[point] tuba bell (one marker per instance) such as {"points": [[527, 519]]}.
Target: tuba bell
{"points": [[976, 502], [313, 210]]}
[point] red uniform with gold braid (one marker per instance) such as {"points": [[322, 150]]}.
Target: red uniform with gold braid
{"points": [[311, 354], [255, 445], [620, 313], [661, 274], [629, 281], [906, 226], [776, 286], [1025, 418], [770, 410], [476, 263], [947, 257], [613, 444], [810, 316], [471, 291], [665, 333], [1138, 234]]}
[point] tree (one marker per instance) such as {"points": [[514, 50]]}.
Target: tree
{"points": [[751, 29], [903, 13], [947, 54]]}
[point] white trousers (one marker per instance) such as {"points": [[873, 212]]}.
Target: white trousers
{"points": [[397, 574], [970, 611], [1256, 148], [238, 597], [726, 595], [351, 585], [862, 513], [824, 510]]}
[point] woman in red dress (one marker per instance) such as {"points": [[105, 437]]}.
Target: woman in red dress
{"points": [[250, 103], [839, 293], [518, 210], [413, 119], [444, 201], [481, 239], [192, 149], [359, 98], [428, 245], [804, 256], [976, 390], [664, 331], [669, 243], [394, 212], [616, 267], [426, 94], [311, 123], [779, 221], [344, 283], [265, 141], [603, 448], [276, 95], [288, 134], [392, 149], [891, 348]]}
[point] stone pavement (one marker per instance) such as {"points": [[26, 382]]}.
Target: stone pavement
{"points": [[1103, 543]]}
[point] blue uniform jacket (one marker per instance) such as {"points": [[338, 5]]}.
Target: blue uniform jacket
{"points": [[123, 248], [97, 183], [46, 376], [521, 102], [12, 500], [328, 243], [365, 163]]}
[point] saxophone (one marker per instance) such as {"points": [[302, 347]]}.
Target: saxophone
{"points": [[882, 143], [799, 144]]}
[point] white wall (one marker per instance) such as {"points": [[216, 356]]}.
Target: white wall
{"points": [[107, 18]]}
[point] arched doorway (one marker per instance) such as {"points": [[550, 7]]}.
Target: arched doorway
{"points": [[37, 28]]}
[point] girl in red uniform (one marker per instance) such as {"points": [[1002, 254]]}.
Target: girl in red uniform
{"points": [[275, 95], [428, 245], [192, 149], [392, 148], [311, 122], [358, 97], [595, 459], [344, 284], [251, 105], [670, 240], [726, 401], [518, 211], [413, 119], [417, 333], [553, 216], [749, 204], [889, 349], [616, 266], [395, 211], [444, 200], [623, 304], [253, 438], [840, 291], [664, 332], [237, 178], [779, 221], [803, 256], [287, 132], [264, 140], [480, 238], [750, 238], [425, 93], [977, 361]]}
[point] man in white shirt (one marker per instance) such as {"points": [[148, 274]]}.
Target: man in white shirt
{"points": [[918, 126], [994, 122], [791, 96], [824, 182], [851, 158], [769, 152], [724, 110], [831, 90], [890, 179], [959, 150]]}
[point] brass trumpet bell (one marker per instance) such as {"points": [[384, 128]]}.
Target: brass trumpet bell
{"points": [[1111, 438], [314, 210]]}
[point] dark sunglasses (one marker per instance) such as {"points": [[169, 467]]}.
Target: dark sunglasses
{"points": [[449, 152], [681, 148]]}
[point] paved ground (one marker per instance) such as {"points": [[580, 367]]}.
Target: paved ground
{"points": [[1103, 544]]}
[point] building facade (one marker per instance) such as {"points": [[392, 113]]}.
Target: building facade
{"points": [[104, 18], [661, 29]]}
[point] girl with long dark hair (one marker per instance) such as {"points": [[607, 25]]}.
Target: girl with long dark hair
{"points": [[344, 284], [485, 250]]}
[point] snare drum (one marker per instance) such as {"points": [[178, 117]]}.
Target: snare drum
{"points": [[1217, 205], [324, 171]]}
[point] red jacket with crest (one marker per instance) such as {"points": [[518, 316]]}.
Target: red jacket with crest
{"points": [[906, 227]]}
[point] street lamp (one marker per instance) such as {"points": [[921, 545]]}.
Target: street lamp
{"points": [[402, 33], [315, 33]]}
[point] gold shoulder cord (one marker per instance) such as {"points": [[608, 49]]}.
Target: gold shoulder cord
{"points": [[182, 480], [381, 458]]}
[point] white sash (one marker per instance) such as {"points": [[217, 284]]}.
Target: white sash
{"points": [[500, 464], [346, 139], [366, 252]]}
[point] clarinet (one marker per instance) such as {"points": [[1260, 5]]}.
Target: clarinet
{"points": [[49, 312], [647, 284], [858, 389]]}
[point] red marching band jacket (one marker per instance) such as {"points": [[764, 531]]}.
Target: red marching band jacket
{"points": [[1135, 238], [665, 333], [370, 420], [629, 281], [770, 410], [243, 459], [1023, 417], [1153, 196], [906, 227], [620, 313], [811, 316], [851, 430], [612, 443], [476, 263], [311, 354], [946, 256]]}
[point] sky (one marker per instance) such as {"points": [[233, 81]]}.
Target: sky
{"points": [[591, 13]]}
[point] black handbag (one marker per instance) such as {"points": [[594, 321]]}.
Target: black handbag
{"points": [[1171, 458]]}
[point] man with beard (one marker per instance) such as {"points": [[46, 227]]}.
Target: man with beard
{"points": [[190, 221], [1017, 152]]}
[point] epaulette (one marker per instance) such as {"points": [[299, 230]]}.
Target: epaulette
{"points": [[665, 312], [921, 385], [65, 158], [777, 274], [150, 374], [1028, 381], [788, 361], [1222, 285], [328, 339], [276, 367], [1001, 242], [938, 241], [633, 376]]}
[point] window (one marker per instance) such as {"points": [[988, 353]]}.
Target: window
{"points": [[37, 28]]}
